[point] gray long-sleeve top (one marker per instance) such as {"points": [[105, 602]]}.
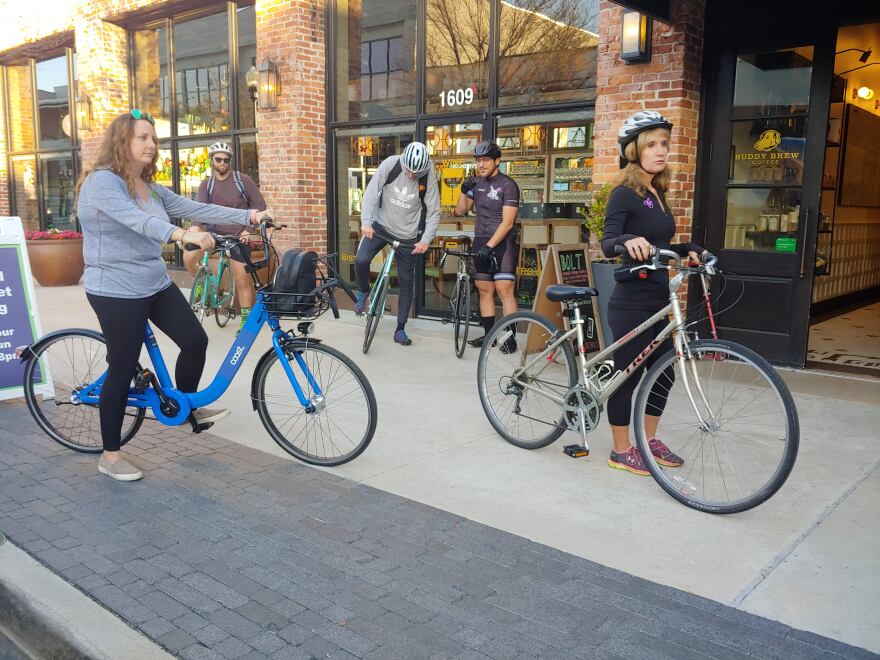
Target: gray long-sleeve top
{"points": [[123, 236], [401, 207]]}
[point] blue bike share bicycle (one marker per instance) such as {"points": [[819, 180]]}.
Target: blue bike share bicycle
{"points": [[329, 420]]}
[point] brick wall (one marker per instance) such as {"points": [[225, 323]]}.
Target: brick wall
{"points": [[292, 147], [669, 83]]}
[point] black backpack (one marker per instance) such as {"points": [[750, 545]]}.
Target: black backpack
{"points": [[236, 179], [423, 188], [295, 275]]}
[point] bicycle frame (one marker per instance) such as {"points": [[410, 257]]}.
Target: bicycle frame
{"points": [[604, 390], [383, 274], [151, 397], [210, 294]]}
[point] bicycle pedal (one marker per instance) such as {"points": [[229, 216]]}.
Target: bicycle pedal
{"points": [[576, 451]]}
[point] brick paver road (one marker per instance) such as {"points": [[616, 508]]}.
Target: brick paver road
{"points": [[226, 552]]}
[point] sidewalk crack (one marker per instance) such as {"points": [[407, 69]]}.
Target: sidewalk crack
{"points": [[791, 547]]}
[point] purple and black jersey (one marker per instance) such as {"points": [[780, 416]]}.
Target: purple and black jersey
{"points": [[490, 197]]}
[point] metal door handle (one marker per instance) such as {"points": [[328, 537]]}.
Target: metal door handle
{"points": [[804, 240]]}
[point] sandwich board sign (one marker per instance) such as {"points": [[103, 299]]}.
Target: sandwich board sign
{"points": [[19, 321]]}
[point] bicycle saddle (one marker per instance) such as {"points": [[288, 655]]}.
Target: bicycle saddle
{"points": [[562, 292]]}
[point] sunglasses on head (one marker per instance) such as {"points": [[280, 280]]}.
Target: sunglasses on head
{"points": [[138, 114], [218, 159]]}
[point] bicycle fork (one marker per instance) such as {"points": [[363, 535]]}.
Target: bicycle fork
{"points": [[317, 402]]}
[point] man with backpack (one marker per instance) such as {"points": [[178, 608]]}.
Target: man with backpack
{"points": [[230, 188], [401, 203]]}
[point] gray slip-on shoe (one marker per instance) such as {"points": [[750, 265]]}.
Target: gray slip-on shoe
{"points": [[120, 469]]}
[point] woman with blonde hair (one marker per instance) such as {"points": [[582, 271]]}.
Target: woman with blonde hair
{"points": [[638, 217], [126, 219]]}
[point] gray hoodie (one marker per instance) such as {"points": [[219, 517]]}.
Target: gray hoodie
{"points": [[401, 207], [123, 236]]}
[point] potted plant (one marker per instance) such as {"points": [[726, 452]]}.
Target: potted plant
{"points": [[56, 257], [603, 268]]}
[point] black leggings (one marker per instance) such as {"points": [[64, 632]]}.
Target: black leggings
{"points": [[621, 322], [123, 322]]}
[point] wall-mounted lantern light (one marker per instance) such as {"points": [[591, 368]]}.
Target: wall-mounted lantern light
{"points": [[864, 93], [635, 37], [84, 112], [269, 83]]}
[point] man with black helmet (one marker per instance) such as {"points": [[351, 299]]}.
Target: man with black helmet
{"points": [[495, 196]]}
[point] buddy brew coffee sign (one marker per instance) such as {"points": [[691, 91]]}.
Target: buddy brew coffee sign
{"points": [[765, 148]]}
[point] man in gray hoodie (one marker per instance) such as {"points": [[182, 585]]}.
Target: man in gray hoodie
{"points": [[401, 203]]}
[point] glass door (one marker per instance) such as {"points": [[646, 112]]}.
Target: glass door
{"points": [[57, 191], [451, 143], [766, 122]]}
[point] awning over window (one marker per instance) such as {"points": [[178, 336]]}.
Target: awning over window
{"points": [[659, 9]]}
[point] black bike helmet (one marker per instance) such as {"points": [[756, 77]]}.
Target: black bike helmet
{"points": [[489, 149], [644, 120]]}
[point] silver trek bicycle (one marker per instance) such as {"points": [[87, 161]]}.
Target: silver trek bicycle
{"points": [[723, 408]]}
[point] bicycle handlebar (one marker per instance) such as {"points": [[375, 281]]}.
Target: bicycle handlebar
{"points": [[454, 253], [707, 260]]}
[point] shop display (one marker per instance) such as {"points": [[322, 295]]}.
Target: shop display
{"points": [[571, 178], [530, 176]]}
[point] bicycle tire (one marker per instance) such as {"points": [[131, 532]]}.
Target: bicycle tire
{"points": [[225, 299], [379, 291], [336, 374], [494, 380], [81, 360], [754, 424], [198, 303], [462, 319]]}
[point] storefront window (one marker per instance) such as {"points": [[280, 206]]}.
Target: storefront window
{"points": [[457, 55], [194, 165], [247, 60], [19, 92], [52, 99], [375, 59], [151, 88], [547, 51], [24, 181], [247, 157], [550, 156], [358, 154], [774, 82], [57, 189], [201, 75], [772, 89]]}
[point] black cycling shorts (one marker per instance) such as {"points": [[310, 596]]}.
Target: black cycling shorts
{"points": [[507, 254]]}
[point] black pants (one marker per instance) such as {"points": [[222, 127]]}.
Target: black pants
{"points": [[621, 322], [123, 322], [406, 268]]}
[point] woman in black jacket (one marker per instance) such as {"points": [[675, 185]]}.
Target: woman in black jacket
{"points": [[637, 217]]}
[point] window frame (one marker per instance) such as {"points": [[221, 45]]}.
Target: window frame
{"points": [[38, 153]]}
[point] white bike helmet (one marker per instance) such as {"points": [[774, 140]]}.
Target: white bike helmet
{"points": [[415, 158], [644, 120], [220, 147]]}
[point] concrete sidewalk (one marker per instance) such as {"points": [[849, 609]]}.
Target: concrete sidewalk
{"points": [[784, 560]]}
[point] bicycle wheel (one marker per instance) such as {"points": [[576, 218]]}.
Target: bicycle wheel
{"points": [[343, 417], [521, 407], [379, 293], [746, 448], [225, 309], [462, 318], [198, 294], [70, 361]]}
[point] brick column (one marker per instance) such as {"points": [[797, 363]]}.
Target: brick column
{"points": [[102, 69], [669, 83], [291, 141]]}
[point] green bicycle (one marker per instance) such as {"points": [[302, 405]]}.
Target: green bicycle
{"points": [[214, 294], [379, 294]]}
